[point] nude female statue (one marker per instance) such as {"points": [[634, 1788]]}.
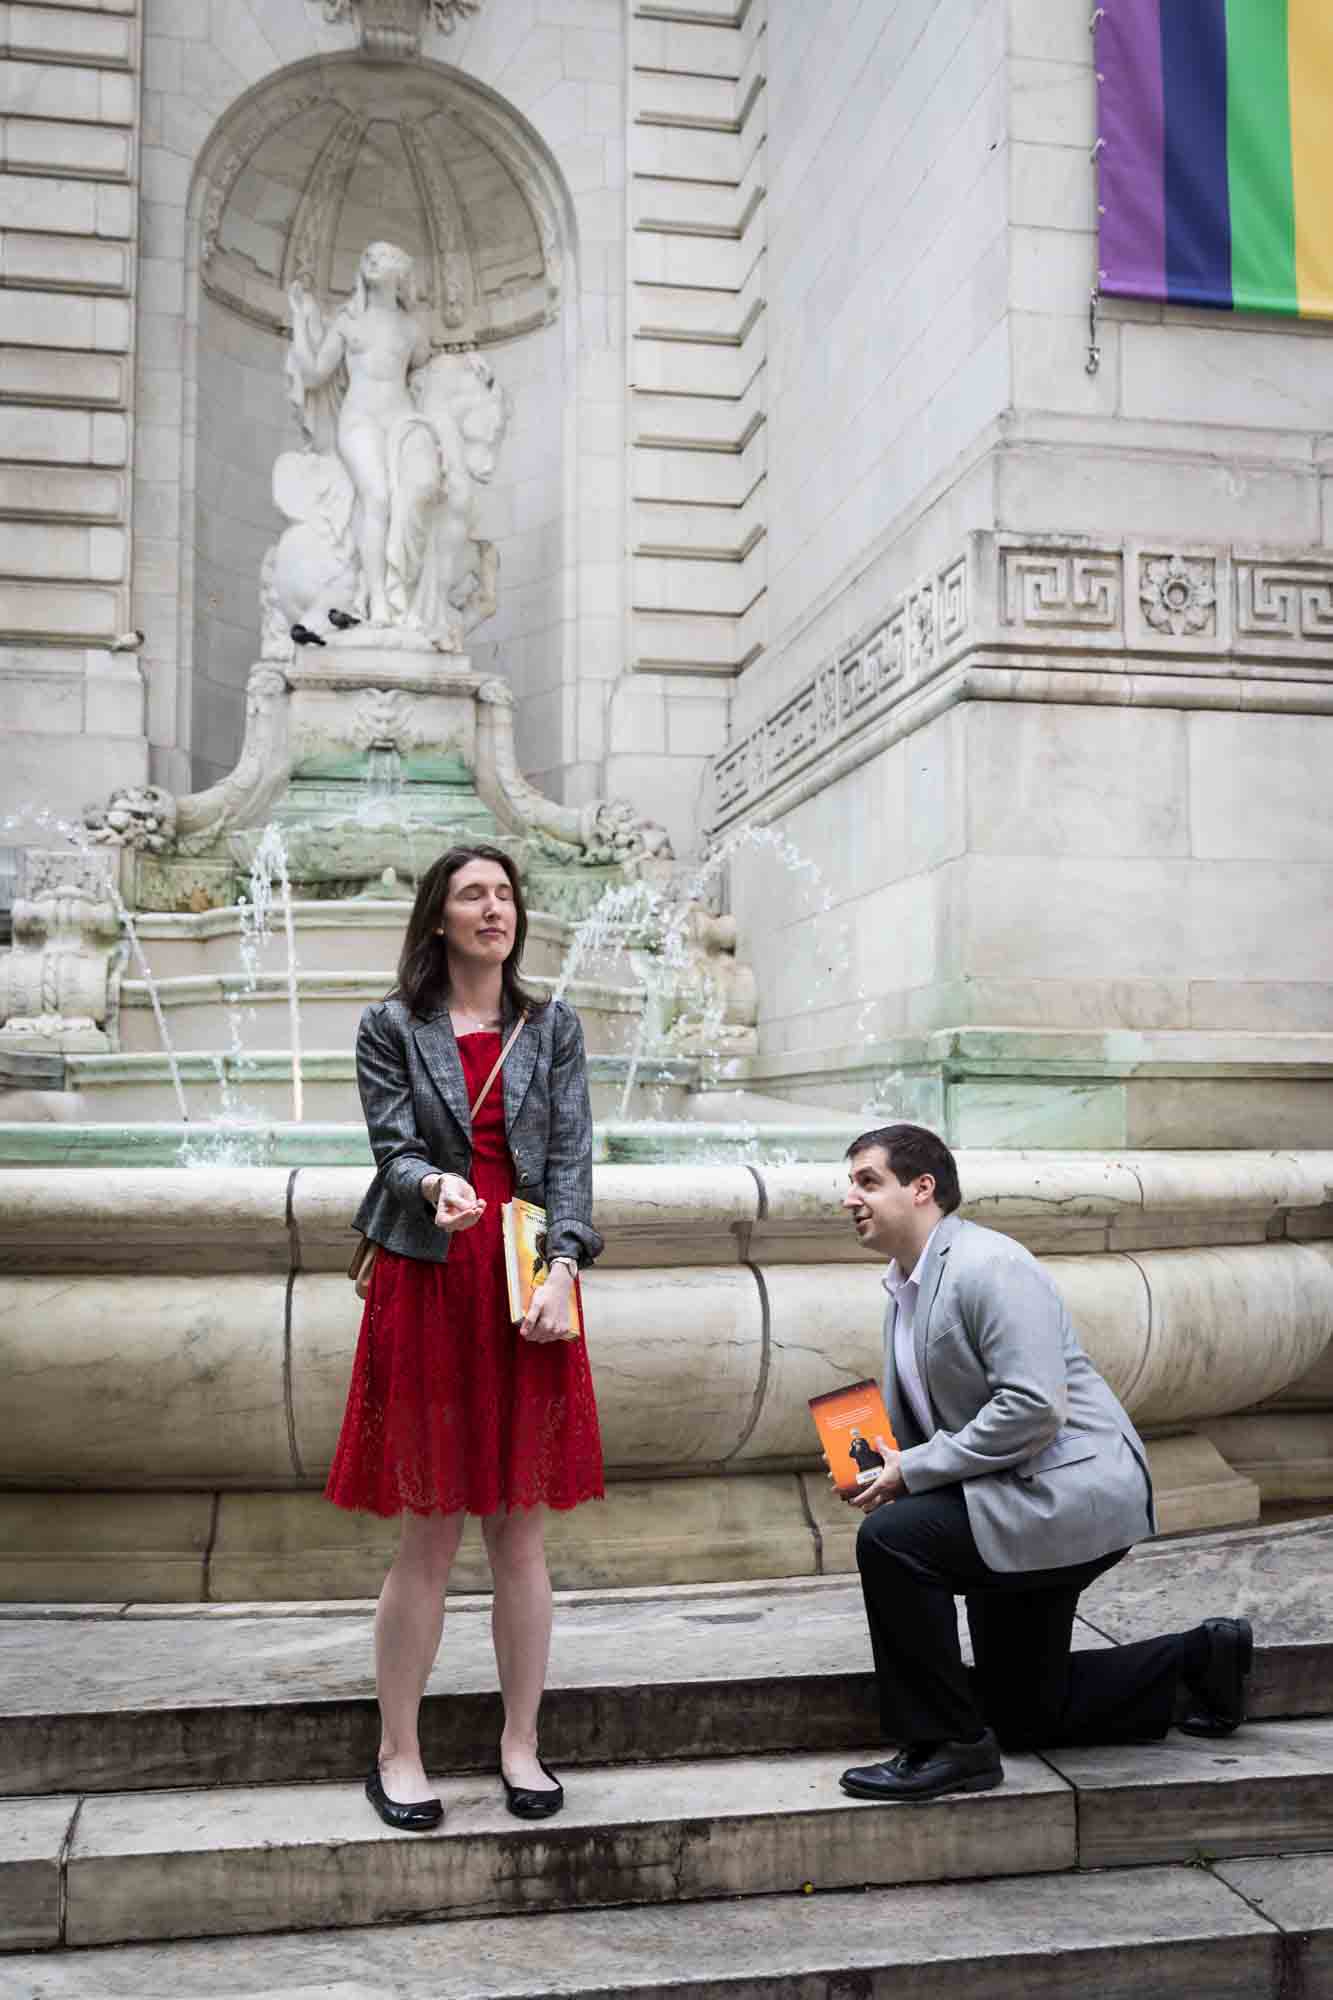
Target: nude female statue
{"points": [[390, 449]]}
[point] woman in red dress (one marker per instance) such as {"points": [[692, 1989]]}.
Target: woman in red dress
{"points": [[453, 1410]]}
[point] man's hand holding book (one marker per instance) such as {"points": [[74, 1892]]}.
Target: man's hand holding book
{"points": [[886, 1485]]}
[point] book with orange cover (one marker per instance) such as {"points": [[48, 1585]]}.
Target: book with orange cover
{"points": [[855, 1433], [523, 1225]]}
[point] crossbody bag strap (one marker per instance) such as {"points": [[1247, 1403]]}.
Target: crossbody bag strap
{"points": [[499, 1064]]}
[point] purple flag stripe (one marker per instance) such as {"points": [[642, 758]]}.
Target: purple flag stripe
{"points": [[1131, 190]]}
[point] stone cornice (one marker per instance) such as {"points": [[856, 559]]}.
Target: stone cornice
{"points": [[1048, 618]]}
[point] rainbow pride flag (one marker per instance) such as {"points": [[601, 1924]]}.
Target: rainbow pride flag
{"points": [[1215, 176]]}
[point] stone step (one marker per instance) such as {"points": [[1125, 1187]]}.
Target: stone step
{"points": [[100, 1699], [146, 1866], [139, 1866], [213, 1012], [1262, 1929], [248, 1698]]}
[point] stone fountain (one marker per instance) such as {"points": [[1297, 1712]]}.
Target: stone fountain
{"points": [[370, 744]]}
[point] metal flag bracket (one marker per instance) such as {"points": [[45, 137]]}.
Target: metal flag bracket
{"points": [[1094, 360]]}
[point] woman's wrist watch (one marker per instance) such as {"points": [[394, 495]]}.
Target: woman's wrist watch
{"points": [[572, 1262]]}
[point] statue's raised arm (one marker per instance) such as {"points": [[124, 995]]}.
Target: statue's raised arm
{"points": [[315, 359]]}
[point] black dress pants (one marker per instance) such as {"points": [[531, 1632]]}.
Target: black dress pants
{"points": [[915, 1555]]}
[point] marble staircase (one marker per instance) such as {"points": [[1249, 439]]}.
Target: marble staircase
{"points": [[184, 1815]]}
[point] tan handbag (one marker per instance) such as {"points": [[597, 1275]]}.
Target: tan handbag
{"points": [[362, 1266]]}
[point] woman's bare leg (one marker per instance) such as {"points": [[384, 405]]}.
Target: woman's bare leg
{"points": [[521, 1626], [409, 1619]]}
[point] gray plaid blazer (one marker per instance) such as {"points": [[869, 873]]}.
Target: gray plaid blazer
{"points": [[415, 1098]]}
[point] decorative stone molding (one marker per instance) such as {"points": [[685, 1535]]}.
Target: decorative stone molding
{"points": [[1072, 614], [310, 243], [385, 716], [222, 168], [1178, 593], [142, 817], [395, 27], [1285, 601], [604, 833], [243, 797], [57, 985], [439, 199], [908, 646], [1055, 589]]}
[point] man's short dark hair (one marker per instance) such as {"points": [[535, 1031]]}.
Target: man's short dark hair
{"points": [[911, 1150]]}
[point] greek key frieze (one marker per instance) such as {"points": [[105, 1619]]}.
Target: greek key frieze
{"points": [[827, 713], [731, 777], [1291, 601], [1062, 587], [792, 731], [953, 603], [847, 691]]}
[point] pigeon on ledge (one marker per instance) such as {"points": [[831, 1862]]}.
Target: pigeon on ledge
{"points": [[305, 637]]}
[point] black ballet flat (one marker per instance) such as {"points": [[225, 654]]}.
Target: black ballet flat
{"points": [[419, 1817], [526, 1804]]}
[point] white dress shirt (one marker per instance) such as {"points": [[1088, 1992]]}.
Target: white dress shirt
{"points": [[904, 1292]]}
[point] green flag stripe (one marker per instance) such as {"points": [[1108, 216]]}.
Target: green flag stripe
{"points": [[1263, 224]]}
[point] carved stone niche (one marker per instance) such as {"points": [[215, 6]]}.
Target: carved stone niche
{"points": [[288, 176], [58, 984]]}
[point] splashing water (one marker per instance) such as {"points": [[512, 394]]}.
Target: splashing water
{"points": [[683, 1003], [269, 867]]}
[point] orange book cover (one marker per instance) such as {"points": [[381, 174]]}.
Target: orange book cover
{"points": [[523, 1225], [854, 1432]]}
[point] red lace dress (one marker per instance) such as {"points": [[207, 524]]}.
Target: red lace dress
{"points": [[448, 1408]]}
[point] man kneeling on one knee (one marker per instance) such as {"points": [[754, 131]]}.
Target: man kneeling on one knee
{"points": [[1019, 1478]]}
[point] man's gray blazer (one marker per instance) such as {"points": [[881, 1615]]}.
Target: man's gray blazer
{"points": [[1051, 1467], [415, 1098]]}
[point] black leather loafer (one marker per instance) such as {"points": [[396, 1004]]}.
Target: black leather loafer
{"points": [[419, 1817], [526, 1804], [928, 1773], [1218, 1693]]}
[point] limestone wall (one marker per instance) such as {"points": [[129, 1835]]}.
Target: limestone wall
{"points": [[69, 224], [887, 297], [242, 421], [1060, 922]]}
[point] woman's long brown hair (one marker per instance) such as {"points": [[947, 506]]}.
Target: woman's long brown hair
{"points": [[423, 964]]}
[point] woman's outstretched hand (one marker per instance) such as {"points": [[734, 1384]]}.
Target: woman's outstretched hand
{"points": [[457, 1205], [547, 1317]]}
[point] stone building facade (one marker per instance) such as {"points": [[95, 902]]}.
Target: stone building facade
{"points": [[819, 510]]}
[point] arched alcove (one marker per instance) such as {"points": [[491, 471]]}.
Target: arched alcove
{"points": [[296, 180]]}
